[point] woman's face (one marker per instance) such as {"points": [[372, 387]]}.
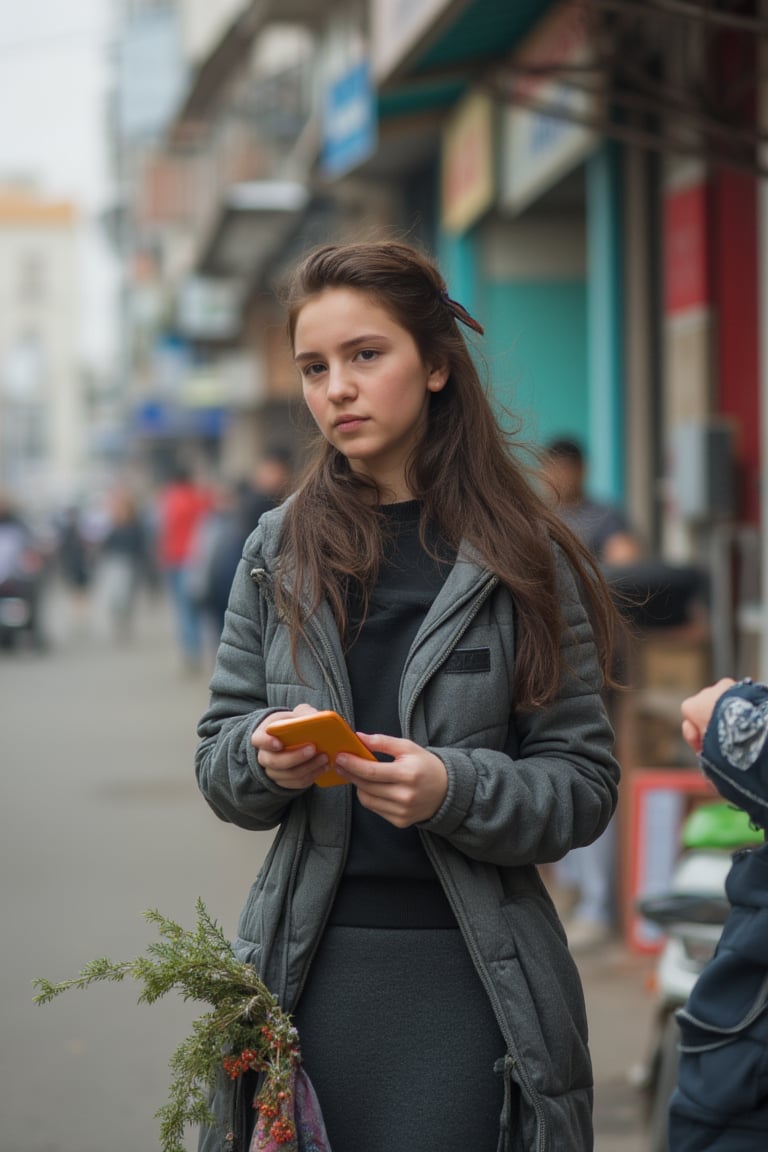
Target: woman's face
{"points": [[364, 382]]}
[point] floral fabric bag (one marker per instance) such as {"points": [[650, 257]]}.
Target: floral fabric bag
{"points": [[298, 1126]]}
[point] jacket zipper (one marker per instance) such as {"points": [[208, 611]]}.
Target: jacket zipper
{"points": [[288, 905], [262, 578], [336, 688], [326, 915], [337, 694]]}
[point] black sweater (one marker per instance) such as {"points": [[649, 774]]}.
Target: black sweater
{"points": [[388, 880]]}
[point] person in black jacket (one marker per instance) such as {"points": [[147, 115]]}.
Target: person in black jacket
{"points": [[221, 535], [721, 1101], [585, 875], [122, 558]]}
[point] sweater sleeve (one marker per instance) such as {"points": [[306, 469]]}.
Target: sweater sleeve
{"points": [[559, 787], [228, 773]]}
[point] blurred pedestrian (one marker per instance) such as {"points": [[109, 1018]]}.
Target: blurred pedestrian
{"points": [[602, 527], [122, 561], [269, 484], [416, 583], [217, 548], [75, 564], [182, 504], [585, 877], [721, 1101], [221, 534]]}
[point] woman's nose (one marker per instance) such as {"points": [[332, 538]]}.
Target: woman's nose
{"points": [[340, 383]]}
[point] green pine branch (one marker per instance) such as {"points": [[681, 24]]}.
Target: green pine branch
{"points": [[199, 965]]}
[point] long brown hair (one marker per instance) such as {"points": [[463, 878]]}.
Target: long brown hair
{"points": [[464, 471]]}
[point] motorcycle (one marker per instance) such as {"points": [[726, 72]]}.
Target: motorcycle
{"points": [[691, 914], [21, 573]]}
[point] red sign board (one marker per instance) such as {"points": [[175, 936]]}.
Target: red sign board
{"points": [[686, 268]]}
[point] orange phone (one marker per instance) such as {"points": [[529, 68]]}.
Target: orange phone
{"points": [[330, 734]]}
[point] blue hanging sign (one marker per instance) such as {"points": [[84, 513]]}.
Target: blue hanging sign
{"points": [[349, 121]]}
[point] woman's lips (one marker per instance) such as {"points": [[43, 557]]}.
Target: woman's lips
{"points": [[349, 423]]}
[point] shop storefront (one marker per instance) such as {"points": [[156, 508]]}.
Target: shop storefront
{"points": [[530, 221]]}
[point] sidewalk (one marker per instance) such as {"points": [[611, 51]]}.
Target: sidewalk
{"points": [[620, 1011]]}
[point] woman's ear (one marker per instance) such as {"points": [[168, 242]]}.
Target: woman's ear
{"points": [[438, 378]]}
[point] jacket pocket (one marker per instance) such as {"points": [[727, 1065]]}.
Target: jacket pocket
{"points": [[251, 927], [522, 1124], [243, 1111], [725, 1071], [231, 1102], [544, 981]]}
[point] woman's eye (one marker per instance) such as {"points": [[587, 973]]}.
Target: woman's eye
{"points": [[367, 354], [313, 369]]}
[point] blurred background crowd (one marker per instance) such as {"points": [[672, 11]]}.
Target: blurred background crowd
{"points": [[184, 541]]}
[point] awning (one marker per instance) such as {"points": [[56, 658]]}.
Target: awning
{"points": [[453, 52], [254, 220], [437, 69], [474, 44]]}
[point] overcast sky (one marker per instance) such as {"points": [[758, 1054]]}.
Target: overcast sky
{"points": [[54, 79]]}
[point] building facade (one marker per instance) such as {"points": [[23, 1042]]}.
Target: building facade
{"points": [[43, 411]]}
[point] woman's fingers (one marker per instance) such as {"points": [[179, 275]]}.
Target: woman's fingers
{"points": [[406, 790], [294, 768]]}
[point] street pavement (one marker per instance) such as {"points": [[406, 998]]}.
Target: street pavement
{"points": [[620, 1013], [100, 820]]}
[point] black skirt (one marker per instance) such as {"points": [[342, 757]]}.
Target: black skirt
{"points": [[399, 1040]]}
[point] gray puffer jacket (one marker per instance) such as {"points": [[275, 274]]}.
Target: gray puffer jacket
{"points": [[523, 788]]}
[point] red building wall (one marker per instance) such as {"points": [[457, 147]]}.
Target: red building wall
{"points": [[735, 291], [734, 250]]}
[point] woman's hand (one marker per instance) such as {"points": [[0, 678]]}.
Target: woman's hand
{"points": [[296, 768], [697, 712], [405, 791]]}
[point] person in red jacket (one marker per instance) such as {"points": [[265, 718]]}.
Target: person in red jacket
{"points": [[183, 503]]}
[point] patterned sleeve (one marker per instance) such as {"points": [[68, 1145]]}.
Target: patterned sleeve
{"points": [[740, 724]]}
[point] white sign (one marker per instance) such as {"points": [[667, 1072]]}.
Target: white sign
{"points": [[396, 27], [209, 309], [542, 139]]}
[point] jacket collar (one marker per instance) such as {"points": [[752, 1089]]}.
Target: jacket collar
{"points": [[468, 570]]}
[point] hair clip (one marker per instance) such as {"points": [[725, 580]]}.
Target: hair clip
{"points": [[460, 313]]}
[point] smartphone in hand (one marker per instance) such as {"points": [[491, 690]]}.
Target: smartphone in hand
{"points": [[330, 734]]}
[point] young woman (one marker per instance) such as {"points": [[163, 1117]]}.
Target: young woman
{"points": [[416, 584]]}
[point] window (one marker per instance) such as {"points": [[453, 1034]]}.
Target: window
{"points": [[31, 278]]}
